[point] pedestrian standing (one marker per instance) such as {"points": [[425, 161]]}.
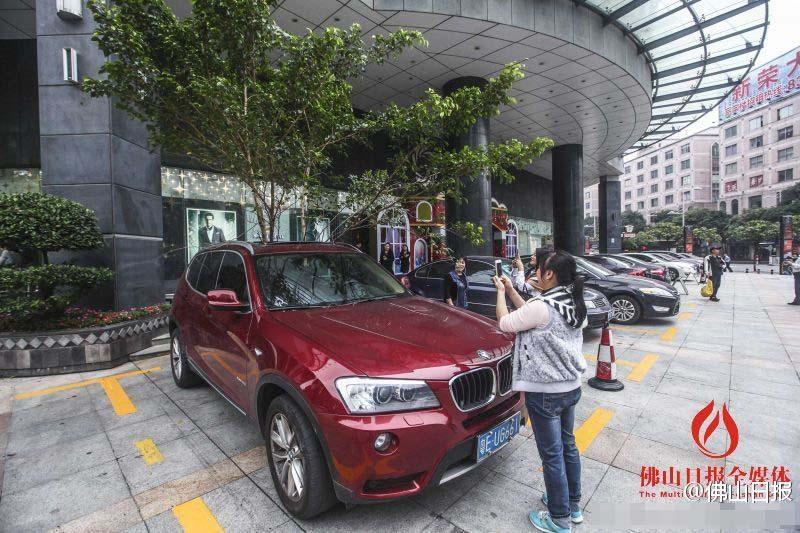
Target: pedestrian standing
{"points": [[456, 285], [548, 363], [405, 259], [796, 273], [714, 265], [727, 260], [387, 257]]}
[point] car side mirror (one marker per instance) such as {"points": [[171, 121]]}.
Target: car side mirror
{"points": [[224, 299]]}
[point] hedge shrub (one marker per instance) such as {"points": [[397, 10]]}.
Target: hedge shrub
{"points": [[34, 224]]}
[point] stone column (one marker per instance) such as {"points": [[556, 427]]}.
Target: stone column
{"points": [[476, 206], [610, 215], [96, 155], [568, 198]]}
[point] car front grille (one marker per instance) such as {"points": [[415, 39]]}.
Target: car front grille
{"points": [[505, 373], [600, 302], [472, 390]]}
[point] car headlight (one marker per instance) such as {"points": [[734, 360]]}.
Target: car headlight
{"points": [[370, 396], [656, 291]]}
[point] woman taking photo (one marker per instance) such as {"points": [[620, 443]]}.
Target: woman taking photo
{"points": [[405, 259], [387, 257], [548, 363]]}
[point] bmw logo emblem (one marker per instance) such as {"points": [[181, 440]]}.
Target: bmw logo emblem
{"points": [[483, 354]]}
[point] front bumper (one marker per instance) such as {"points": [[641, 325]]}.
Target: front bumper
{"points": [[597, 318], [432, 448], [661, 306]]}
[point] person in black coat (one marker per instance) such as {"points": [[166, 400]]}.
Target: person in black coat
{"points": [[714, 265], [210, 234], [387, 257], [405, 259]]}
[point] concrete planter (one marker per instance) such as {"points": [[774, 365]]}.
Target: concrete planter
{"points": [[60, 352]]}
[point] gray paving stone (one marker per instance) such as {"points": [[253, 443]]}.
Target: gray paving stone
{"points": [[439, 499], [240, 506], [66, 407], [160, 429], [400, 516], [638, 452], [61, 500], [181, 457], [29, 468], [236, 436], [50, 433]]}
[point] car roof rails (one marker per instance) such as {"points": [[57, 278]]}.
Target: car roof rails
{"points": [[245, 245]]}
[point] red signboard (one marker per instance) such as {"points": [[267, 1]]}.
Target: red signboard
{"points": [[688, 239], [786, 235], [731, 186]]}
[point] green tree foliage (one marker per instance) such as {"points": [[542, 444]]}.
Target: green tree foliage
{"points": [[662, 232], [708, 218], [635, 219], [229, 87], [754, 232], [664, 216], [707, 235], [34, 224]]}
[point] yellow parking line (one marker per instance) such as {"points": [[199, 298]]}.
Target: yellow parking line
{"points": [[150, 452], [684, 316], [641, 369], [669, 334], [622, 362], [120, 401], [592, 427], [50, 390], [691, 305], [634, 330], [195, 516]]}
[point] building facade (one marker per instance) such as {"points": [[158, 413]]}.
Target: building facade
{"points": [[675, 175], [593, 76], [759, 156]]}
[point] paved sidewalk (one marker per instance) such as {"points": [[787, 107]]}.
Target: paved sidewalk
{"points": [[74, 460]]}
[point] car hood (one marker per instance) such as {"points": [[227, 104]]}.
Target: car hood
{"points": [[409, 337]]}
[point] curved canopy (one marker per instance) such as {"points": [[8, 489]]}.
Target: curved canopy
{"points": [[698, 51]]}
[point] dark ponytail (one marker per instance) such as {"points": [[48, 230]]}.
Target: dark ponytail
{"points": [[565, 270]]}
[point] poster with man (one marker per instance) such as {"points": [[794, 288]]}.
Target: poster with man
{"points": [[206, 227]]}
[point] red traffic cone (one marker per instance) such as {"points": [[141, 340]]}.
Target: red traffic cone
{"points": [[605, 377]]}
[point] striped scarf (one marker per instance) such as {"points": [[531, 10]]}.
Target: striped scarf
{"points": [[560, 298]]}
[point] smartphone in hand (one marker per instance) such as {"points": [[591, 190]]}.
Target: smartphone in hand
{"points": [[498, 268]]}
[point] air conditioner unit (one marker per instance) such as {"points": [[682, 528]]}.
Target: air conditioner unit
{"points": [[69, 9], [70, 60]]}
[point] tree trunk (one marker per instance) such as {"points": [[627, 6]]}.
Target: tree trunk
{"points": [[258, 207], [272, 211]]}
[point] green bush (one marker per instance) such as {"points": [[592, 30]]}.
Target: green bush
{"points": [[34, 224]]}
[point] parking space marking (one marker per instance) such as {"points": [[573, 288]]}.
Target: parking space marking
{"points": [[120, 401], [669, 334], [150, 452], [592, 427], [685, 315], [634, 330], [195, 516], [641, 369], [78, 384]]}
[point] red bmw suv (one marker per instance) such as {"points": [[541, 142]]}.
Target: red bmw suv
{"points": [[363, 391]]}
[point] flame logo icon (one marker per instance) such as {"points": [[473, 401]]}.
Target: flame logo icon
{"points": [[723, 415]]}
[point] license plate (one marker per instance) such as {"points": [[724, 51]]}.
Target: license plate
{"points": [[497, 437]]}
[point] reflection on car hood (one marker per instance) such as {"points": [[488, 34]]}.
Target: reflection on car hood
{"points": [[638, 282], [410, 337]]}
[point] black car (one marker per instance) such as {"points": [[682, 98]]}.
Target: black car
{"points": [[428, 281], [632, 297], [615, 265]]}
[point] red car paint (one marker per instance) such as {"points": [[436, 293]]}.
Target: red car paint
{"points": [[303, 351]]}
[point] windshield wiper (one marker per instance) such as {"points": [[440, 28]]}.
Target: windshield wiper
{"points": [[375, 298], [310, 306]]}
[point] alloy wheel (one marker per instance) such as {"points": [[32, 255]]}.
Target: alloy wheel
{"points": [[623, 310], [287, 457], [177, 363]]}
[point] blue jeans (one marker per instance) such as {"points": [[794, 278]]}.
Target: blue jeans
{"points": [[552, 418]]}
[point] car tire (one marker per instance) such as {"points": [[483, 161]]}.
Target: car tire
{"points": [[673, 275], [625, 310], [182, 373], [303, 449]]}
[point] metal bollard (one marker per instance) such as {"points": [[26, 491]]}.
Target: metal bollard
{"points": [[747, 270]]}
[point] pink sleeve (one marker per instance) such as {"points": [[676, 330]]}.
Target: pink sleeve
{"points": [[534, 314]]}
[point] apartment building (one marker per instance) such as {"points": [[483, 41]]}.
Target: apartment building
{"points": [[759, 155], [673, 175]]}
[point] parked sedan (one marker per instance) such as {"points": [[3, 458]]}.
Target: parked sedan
{"points": [[652, 270], [632, 297], [675, 269], [428, 281], [615, 265]]}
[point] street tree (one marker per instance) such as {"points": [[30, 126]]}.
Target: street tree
{"points": [[708, 218], [706, 235], [635, 219], [664, 215], [231, 89], [754, 232]]}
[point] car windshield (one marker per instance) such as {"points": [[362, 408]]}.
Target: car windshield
{"points": [[596, 270], [302, 280], [606, 261]]}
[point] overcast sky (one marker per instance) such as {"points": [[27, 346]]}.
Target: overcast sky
{"points": [[783, 35]]}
